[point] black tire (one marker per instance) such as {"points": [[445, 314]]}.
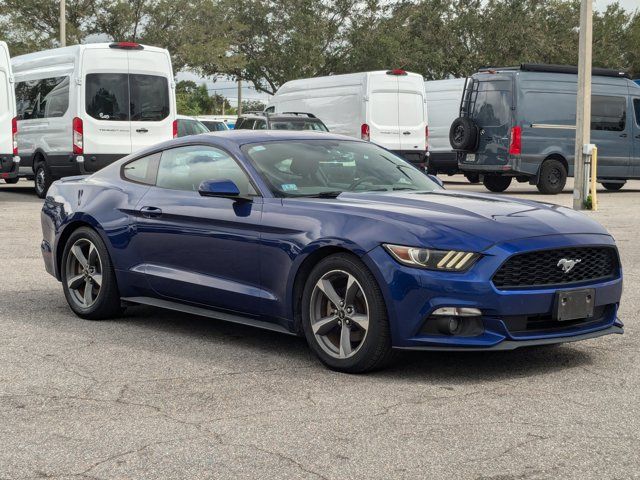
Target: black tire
{"points": [[374, 350], [43, 179], [496, 183], [613, 187], [11, 181], [463, 134], [472, 177], [107, 301], [553, 177]]}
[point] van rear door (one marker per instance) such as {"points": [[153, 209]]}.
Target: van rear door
{"points": [[491, 110], [151, 97], [635, 157], [412, 120], [7, 108], [383, 110], [105, 106]]}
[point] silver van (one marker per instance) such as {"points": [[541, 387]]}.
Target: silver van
{"points": [[519, 122]]}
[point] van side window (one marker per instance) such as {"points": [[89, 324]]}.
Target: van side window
{"points": [[42, 98], [107, 96], [608, 113], [636, 107], [185, 168], [142, 170]]}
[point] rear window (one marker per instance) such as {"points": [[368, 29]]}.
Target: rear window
{"points": [[411, 109], [384, 108], [492, 106], [124, 97], [298, 125]]}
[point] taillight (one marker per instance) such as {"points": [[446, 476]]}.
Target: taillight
{"points": [[364, 132], [175, 129], [426, 136], [515, 141], [14, 135], [78, 137]]}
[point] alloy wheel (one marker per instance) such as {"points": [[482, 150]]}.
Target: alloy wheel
{"points": [[339, 314], [40, 180], [84, 273]]}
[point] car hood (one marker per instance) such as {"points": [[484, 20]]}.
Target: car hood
{"points": [[470, 221]]}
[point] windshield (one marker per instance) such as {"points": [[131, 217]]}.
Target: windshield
{"points": [[330, 167], [298, 125]]}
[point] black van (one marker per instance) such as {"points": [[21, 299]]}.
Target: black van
{"points": [[519, 122]]}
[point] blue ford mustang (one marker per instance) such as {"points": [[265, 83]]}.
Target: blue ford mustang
{"points": [[331, 238]]}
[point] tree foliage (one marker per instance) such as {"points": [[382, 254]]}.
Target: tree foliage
{"points": [[268, 42]]}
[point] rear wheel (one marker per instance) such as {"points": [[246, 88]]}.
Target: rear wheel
{"points": [[613, 186], [472, 177], [553, 177], [43, 179], [496, 183], [344, 316], [88, 278], [11, 181]]}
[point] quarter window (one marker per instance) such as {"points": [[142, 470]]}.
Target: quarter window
{"points": [[608, 113], [636, 107], [142, 170], [185, 168], [42, 98]]}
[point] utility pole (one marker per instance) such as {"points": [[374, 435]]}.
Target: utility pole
{"points": [[583, 111], [239, 96], [63, 23]]}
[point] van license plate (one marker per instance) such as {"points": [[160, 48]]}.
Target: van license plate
{"points": [[471, 157], [574, 305]]}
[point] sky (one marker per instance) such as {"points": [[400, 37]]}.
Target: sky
{"points": [[228, 88]]}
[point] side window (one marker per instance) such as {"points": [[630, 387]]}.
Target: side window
{"points": [[271, 109], [260, 125], [608, 113], [247, 124], [43, 98], [107, 96], [27, 99], [636, 107], [142, 170], [185, 168]]}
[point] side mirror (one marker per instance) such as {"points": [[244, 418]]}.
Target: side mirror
{"points": [[219, 188], [436, 179]]}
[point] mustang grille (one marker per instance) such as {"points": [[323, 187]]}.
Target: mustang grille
{"points": [[547, 267]]}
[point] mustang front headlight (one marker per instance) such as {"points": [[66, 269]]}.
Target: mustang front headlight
{"points": [[446, 260]]}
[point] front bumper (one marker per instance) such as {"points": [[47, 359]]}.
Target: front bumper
{"points": [[9, 166], [411, 295]]}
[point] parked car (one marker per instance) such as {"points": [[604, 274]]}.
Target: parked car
{"points": [[386, 107], [213, 125], [9, 159], [443, 100], [82, 107], [280, 121], [332, 238], [190, 126], [520, 123]]}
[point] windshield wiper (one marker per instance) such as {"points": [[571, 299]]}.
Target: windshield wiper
{"points": [[329, 194]]}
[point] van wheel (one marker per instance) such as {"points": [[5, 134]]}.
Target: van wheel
{"points": [[472, 177], [496, 183], [463, 134], [553, 177], [43, 180], [613, 187], [11, 181]]}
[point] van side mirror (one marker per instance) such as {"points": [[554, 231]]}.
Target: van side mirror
{"points": [[219, 188], [436, 180]]}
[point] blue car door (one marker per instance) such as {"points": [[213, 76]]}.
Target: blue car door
{"points": [[201, 250], [635, 158]]}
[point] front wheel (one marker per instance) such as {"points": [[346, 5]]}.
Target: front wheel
{"points": [[472, 177], [612, 187], [88, 278], [496, 183], [11, 181], [344, 316], [43, 180]]}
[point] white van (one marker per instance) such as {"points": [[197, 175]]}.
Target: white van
{"points": [[443, 97], [9, 159], [386, 107], [82, 107]]}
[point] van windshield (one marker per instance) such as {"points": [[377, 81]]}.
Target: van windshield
{"points": [[126, 97], [493, 103]]}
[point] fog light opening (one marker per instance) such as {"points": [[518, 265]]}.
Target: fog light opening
{"points": [[463, 321]]}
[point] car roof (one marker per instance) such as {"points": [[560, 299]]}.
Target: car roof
{"points": [[242, 137]]}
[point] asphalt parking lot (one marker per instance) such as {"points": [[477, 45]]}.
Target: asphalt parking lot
{"points": [[158, 394]]}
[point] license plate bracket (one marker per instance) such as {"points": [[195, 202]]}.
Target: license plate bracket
{"points": [[574, 304]]}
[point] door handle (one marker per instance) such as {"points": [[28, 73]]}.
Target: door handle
{"points": [[142, 130], [638, 136], [623, 135], [151, 212], [406, 133]]}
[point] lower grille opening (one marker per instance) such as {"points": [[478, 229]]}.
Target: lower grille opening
{"points": [[532, 324]]}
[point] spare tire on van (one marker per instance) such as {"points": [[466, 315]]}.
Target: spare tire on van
{"points": [[463, 134]]}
